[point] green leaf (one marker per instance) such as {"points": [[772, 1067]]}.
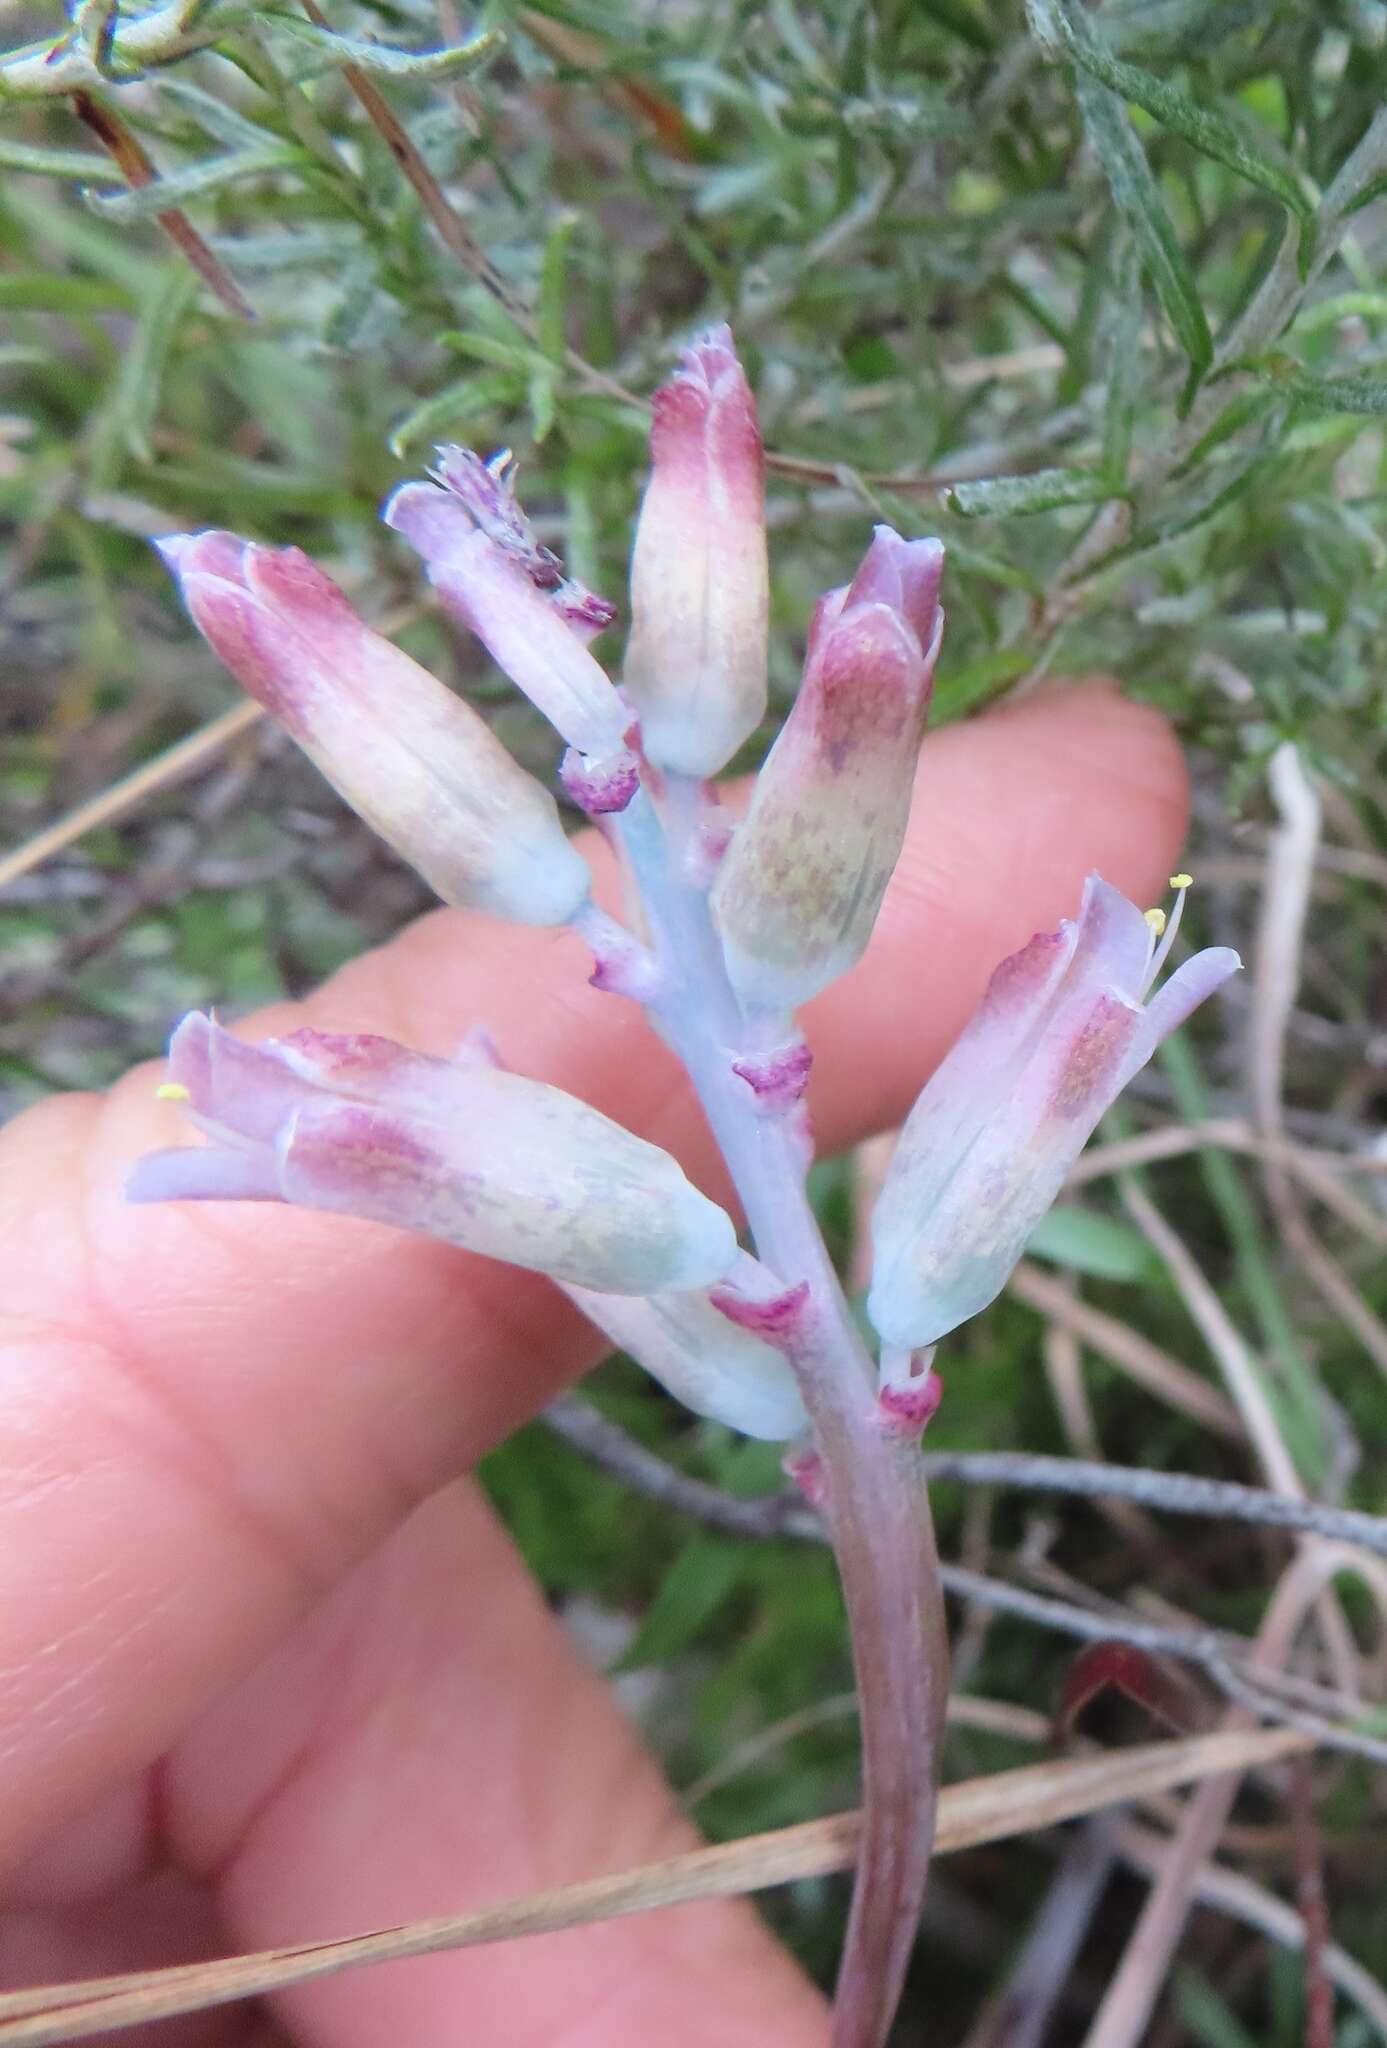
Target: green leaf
{"points": [[1208, 129], [60, 228], [52, 163], [125, 420], [1136, 195], [690, 1594], [1124, 368], [1363, 395], [1340, 306], [519, 356], [961, 21], [1207, 2019], [446, 410], [1041, 491], [213, 115], [1087, 1242], [976, 561], [197, 182], [543, 404], [331, 248], [383, 57], [961, 690], [38, 293], [553, 279]]}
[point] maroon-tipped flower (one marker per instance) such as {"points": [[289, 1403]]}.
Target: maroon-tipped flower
{"points": [[695, 664], [799, 891], [1063, 1027], [486, 491], [469, 1153], [488, 582], [411, 757]]}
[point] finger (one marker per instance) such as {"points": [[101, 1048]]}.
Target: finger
{"points": [[427, 1742], [208, 1412], [157, 1920]]}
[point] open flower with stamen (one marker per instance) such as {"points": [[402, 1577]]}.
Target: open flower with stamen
{"points": [[1064, 1025], [407, 754], [800, 888], [695, 665], [489, 1160]]}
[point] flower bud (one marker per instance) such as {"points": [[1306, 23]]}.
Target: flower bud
{"points": [[1059, 1033], [800, 888], [492, 591], [482, 1158], [695, 664], [703, 1360], [413, 759]]}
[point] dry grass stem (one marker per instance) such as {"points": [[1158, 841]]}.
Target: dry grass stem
{"points": [[1135, 1986], [184, 758], [1142, 1361], [1241, 1897], [990, 1809]]}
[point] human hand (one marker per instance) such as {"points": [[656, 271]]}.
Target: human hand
{"points": [[271, 1670]]}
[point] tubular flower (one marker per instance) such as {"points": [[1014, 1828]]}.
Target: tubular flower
{"points": [[800, 889], [415, 761], [703, 1360], [479, 1157], [1064, 1025], [487, 581], [486, 491], [696, 661]]}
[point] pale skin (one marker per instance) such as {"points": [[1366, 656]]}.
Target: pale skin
{"points": [[269, 1669]]}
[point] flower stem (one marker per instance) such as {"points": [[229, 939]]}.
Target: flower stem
{"points": [[878, 1506]]}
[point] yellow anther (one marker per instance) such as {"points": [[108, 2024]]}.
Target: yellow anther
{"points": [[172, 1091], [1182, 881], [1156, 920]]}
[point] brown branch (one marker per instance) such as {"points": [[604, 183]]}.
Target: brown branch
{"points": [[1312, 1905], [137, 169]]}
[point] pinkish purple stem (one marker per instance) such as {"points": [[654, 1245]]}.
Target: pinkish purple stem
{"points": [[877, 1504]]}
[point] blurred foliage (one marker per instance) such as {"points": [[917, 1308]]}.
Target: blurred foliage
{"points": [[1094, 295]]}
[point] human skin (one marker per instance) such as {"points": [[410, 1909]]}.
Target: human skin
{"points": [[269, 1669]]}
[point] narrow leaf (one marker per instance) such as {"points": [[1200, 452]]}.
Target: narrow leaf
{"points": [[124, 421], [1041, 491], [1364, 395], [1341, 306], [1136, 195], [51, 163], [961, 690], [1207, 128], [214, 115], [553, 279], [690, 1594], [161, 195], [506, 354], [383, 57], [35, 293], [1124, 368], [447, 409], [1087, 1242]]}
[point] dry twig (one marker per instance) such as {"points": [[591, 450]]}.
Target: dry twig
{"points": [[990, 1809]]}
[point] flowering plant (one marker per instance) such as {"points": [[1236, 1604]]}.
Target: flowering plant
{"points": [[731, 928]]}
